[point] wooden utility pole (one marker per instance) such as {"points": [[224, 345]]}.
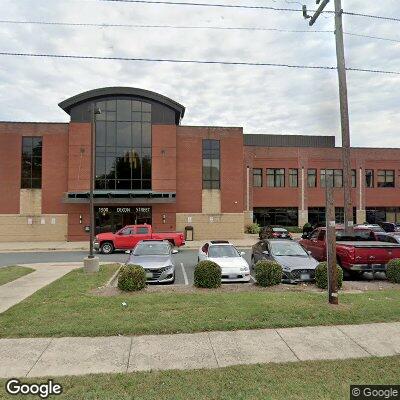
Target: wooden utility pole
{"points": [[344, 107], [344, 114], [331, 243]]}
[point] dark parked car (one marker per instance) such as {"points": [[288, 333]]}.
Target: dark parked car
{"points": [[297, 264], [274, 232], [390, 227]]}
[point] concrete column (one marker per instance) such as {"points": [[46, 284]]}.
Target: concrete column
{"points": [[303, 217], [361, 214]]}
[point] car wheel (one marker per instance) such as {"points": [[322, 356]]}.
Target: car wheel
{"points": [[107, 248]]}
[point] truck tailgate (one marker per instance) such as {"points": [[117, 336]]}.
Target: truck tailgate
{"points": [[371, 252]]}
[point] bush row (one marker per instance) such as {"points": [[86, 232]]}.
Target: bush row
{"points": [[207, 274]]}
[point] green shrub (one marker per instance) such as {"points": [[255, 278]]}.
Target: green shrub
{"points": [[393, 270], [294, 229], [131, 278], [321, 276], [207, 274], [253, 228], [268, 273]]}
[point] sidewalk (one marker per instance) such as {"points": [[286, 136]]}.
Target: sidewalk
{"points": [[7, 247], [13, 292], [81, 355]]}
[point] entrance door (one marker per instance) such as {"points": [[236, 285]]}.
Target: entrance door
{"points": [[112, 219]]}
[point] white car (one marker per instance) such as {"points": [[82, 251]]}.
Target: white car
{"points": [[233, 266]]}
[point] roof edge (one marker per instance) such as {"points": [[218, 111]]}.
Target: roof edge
{"points": [[67, 104]]}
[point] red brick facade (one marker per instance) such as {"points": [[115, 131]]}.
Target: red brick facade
{"points": [[177, 169]]}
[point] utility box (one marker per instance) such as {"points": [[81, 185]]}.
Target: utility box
{"points": [[189, 233]]}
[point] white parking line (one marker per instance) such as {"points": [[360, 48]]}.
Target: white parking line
{"points": [[251, 278], [184, 275]]}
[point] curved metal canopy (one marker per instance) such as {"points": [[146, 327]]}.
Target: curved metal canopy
{"points": [[67, 104]]}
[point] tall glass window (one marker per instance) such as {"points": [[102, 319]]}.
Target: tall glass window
{"points": [[369, 178], [211, 164], [257, 177], [31, 167], [353, 178], [276, 177], [293, 177], [123, 145], [312, 178]]}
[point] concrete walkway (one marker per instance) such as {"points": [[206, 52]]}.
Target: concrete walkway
{"points": [[82, 355], [15, 291]]}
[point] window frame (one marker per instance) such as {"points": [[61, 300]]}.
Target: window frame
{"points": [[372, 178], [334, 172], [291, 176], [314, 175], [211, 154], [28, 178], [259, 174], [275, 177], [385, 175]]}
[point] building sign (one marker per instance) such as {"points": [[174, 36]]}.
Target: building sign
{"points": [[124, 210]]}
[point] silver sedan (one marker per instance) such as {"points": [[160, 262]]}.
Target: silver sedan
{"points": [[155, 256]]}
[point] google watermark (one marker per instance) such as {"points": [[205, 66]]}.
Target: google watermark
{"points": [[374, 392], [43, 390]]}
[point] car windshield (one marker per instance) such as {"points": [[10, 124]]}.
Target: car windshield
{"points": [[152, 249], [288, 248], [279, 230], [222, 252]]}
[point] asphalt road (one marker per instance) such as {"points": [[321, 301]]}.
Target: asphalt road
{"points": [[185, 260]]}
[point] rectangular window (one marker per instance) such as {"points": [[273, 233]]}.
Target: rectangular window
{"points": [[293, 177], [312, 178], [257, 177], [276, 216], [353, 178], [31, 167], [276, 177], [385, 178], [335, 176], [369, 178], [211, 164]]}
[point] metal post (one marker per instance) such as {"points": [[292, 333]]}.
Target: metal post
{"points": [[331, 244], [344, 114], [92, 172]]}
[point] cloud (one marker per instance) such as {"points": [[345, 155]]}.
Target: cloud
{"points": [[261, 99]]}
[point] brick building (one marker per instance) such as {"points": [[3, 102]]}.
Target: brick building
{"points": [[152, 169]]}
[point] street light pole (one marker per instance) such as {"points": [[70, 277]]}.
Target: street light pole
{"points": [[91, 263]]}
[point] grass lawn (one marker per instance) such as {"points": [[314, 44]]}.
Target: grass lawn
{"points": [[303, 380], [8, 274], [67, 308]]}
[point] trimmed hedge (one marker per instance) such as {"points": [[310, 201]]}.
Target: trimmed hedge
{"points": [[131, 278], [268, 273], [393, 270], [207, 274], [321, 276]]}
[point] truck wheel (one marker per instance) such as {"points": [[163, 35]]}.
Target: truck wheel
{"points": [[107, 248], [172, 242]]}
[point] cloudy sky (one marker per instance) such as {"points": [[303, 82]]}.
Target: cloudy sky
{"points": [[261, 99]]}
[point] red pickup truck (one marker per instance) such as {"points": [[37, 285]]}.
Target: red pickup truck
{"points": [[361, 253], [127, 238]]}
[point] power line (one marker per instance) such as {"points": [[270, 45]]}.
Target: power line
{"points": [[372, 37], [372, 16], [177, 3], [106, 25], [177, 61], [198, 27]]}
